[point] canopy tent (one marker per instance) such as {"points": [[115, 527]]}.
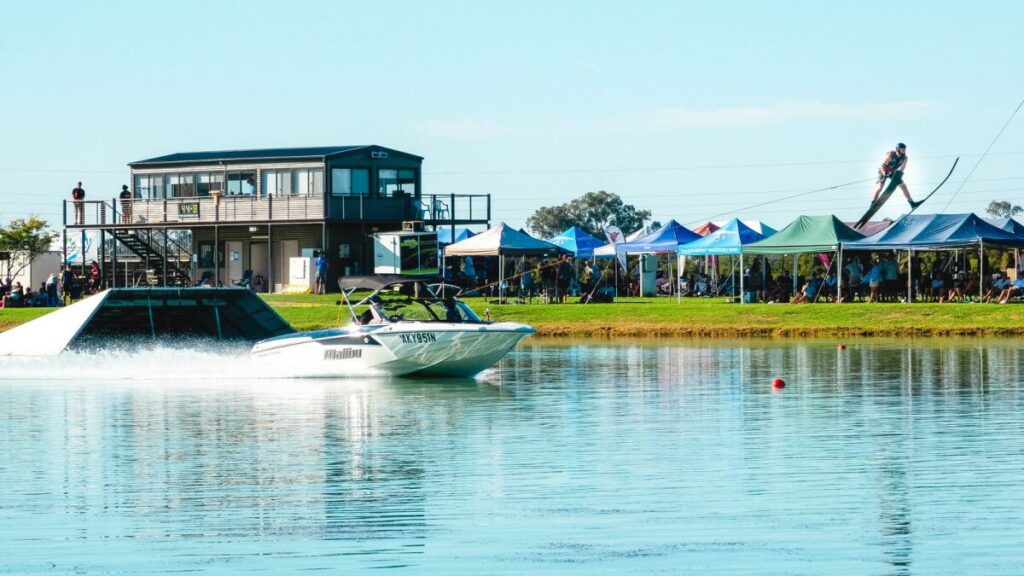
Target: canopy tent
{"points": [[503, 241], [706, 228], [806, 234], [937, 232], [727, 240], [577, 241], [755, 225], [639, 232], [444, 235], [663, 240], [1008, 224]]}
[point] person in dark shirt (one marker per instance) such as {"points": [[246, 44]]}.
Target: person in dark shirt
{"points": [[78, 195], [564, 275], [126, 205], [67, 281]]}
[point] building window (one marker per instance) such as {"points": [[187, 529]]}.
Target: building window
{"points": [[207, 182], [396, 182], [241, 183], [350, 182], [277, 183], [308, 182], [149, 186], [180, 185]]}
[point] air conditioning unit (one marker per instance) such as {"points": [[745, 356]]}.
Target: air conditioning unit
{"points": [[378, 154], [412, 226]]}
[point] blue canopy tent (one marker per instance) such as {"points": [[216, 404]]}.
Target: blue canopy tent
{"points": [[664, 240], [728, 240], [444, 235], [577, 241], [938, 232], [1008, 224]]}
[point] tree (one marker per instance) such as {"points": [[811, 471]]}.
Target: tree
{"points": [[1003, 209], [592, 212], [23, 240]]}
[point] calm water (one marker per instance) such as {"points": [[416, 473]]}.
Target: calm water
{"points": [[666, 457]]}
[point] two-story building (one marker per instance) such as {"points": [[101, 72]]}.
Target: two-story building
{"points": [[213, 216]]}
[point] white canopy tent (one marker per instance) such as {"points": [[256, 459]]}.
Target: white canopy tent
{"points": [[501, 241]]}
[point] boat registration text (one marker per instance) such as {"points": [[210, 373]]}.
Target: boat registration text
{"points": [[418, 338]]}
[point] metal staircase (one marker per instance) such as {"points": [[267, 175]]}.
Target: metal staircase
{"points": [[162, 254]]}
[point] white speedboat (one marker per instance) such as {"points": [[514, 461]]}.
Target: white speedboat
{"points": [[406, 325]]}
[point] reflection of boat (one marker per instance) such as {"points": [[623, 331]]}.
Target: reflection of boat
{"points": [[407, 325]]}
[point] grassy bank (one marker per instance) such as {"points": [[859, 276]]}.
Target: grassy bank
{"points": [[11, 317], [662, 317], [715, 318]]}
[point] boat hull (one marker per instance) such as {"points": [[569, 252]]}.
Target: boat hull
{"points": [[423, 349]]}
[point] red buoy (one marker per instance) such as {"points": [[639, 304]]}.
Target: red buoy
{"points": [[778, 383]]}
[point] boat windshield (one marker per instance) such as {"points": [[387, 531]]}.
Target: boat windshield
{"points": [[387, 306]]}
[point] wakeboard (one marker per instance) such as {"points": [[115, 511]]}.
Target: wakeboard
{"points": [[936, 189], [894, 183]]}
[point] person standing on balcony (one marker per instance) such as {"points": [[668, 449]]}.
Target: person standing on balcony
{"points": [[78, 195], [126, 204]]}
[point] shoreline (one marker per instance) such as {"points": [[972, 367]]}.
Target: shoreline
{"points": [[658, 331], [693, 318]]}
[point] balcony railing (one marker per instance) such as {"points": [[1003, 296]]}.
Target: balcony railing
{"points": [[430, 208]]}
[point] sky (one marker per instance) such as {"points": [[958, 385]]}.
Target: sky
{"points": [[693, 110]]}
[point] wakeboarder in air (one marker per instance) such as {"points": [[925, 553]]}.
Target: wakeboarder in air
{"points": [[894, 161]]}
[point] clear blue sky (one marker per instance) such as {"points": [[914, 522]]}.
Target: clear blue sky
{"points": [[688, 109]]}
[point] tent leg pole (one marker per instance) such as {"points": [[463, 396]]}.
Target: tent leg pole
{"points": [[981, 270], [839, 277], [910, 276], [741, 278], [616, 277], [795, 271]]}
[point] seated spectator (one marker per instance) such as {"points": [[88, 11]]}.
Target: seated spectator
{"points": [[999, 283], [1011, 291], [662, 285], [16, 297], [809, 290]]}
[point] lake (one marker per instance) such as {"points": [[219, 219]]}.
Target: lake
{"points": [[673, 457]]}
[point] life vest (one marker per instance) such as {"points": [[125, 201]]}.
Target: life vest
{"points": [[893, 161]]}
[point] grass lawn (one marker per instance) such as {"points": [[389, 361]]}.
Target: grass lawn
{"points": [[713, 317], [11, 317], [635, 317]]}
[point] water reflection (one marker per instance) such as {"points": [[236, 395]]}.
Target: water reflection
{"points": [[579, 456]]}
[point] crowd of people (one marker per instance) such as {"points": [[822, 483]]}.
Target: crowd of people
{"points": [[864, 277], [59, 289], [548, 280], [875, 279]]}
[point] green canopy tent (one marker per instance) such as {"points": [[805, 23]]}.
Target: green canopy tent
{"points": [[808, 234]]}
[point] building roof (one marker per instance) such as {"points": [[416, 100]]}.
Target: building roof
{"points": [[307, 153], [503, 240]]}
